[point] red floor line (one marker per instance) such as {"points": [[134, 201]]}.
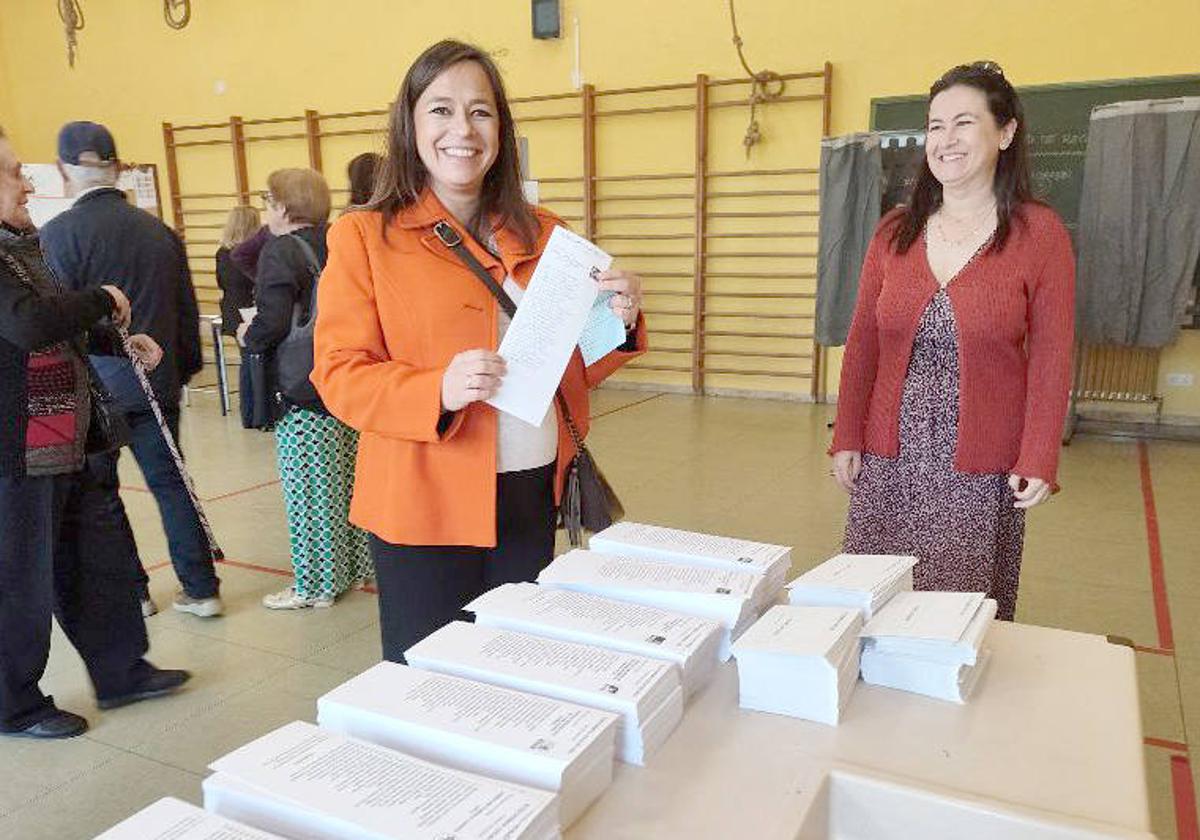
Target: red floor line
{"points": [[151, 569], [1187, 826], [1158, 581], [233, 493], [254, 567], [135, 488], [1174, 746], [1154, 650]]}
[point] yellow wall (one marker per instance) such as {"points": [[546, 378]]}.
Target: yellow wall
{"points": [[6, 108], [277, 58]]}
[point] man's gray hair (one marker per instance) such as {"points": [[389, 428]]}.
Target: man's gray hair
{"points": [[86, 176]]}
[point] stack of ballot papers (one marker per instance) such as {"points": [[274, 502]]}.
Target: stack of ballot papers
{"points": [[301, 781], [645, 693], [863, 581], [800, 661], [172, 819], [653, 542], [929, 643], [508, 735], [691, 643], [728, 597]]}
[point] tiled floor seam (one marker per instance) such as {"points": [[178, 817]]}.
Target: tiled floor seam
{"points": [[42, 794]]}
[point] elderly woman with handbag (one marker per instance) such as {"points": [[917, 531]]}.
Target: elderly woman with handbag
{"points": [[62, 546], [315, 450], [457, 496]]}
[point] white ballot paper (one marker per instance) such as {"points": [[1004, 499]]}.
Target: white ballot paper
{"points": [[800, 661], [509, 735], [645, 692], [865, 581], [305, 782], [172, 819], [634, 539], [939, 616], [955, 683], [692, 643], [730, 598], [548, 325]]}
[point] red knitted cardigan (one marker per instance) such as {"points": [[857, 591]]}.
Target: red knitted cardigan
{"points": [[1014, 312]]}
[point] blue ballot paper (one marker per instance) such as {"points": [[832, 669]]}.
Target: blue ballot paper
{"points": [[604, 331]]}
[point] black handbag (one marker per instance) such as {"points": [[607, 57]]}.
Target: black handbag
{"points": [[589, 501], [294, 355], [260, 403], [107, 428]]}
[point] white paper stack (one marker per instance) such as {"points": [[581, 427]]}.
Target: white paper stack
{"points": [[863, 581], [691, 643], [728, 597], [172, 819], [646, 693], [468, 725], [654, 542], [800, 661], [931, 643], [301, 781]]}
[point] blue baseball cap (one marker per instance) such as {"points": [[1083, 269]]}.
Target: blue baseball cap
{"points": [[78, 138]]}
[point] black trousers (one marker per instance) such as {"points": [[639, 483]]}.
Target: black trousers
{"points": [[62, 552], [422, 587]]}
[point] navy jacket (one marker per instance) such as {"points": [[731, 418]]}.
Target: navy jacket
{"points": [[105, 240]]}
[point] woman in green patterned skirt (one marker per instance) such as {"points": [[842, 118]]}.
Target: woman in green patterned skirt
{"points": [[316, 452]]}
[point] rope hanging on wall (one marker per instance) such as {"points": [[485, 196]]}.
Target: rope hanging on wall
{"points": [[71, 14], [178, 13], [765, 86]]}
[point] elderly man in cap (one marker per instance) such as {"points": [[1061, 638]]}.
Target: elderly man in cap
{"points": [[103, 239]]}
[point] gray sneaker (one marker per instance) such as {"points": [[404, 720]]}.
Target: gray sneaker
{"points": [[203, 607]]}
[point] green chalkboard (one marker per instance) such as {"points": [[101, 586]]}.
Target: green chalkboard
{"points": [[1057, 118]]}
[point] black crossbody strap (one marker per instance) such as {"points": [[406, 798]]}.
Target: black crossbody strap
{"points": [[451, 239]]}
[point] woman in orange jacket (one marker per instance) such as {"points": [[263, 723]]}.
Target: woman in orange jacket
{"points": [[458, 497]]}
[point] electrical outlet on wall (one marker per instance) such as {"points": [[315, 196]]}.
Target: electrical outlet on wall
{"points": [[1181, 380]]}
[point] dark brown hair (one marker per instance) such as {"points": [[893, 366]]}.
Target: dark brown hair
{"points": [[361, 173], [1011, 185], [402, 176]]}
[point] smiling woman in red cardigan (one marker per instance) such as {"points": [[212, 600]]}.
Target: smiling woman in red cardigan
{"points": [[957, 368]]}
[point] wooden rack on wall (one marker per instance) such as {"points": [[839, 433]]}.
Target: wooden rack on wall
{"points": [[713, 324]]}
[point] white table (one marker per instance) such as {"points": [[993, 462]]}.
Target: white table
{"points": [[1054, 725]]}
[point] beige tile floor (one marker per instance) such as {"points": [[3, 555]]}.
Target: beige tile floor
{"points": [[745, 467]]}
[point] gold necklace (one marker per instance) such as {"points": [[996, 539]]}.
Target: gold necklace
{"points": [[971, 234]]}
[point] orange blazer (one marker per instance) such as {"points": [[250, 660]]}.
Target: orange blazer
{"points": [[391, 316]]}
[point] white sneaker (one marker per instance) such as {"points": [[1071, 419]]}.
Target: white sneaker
{"points": [[203, 607], [149, 608], [289, 599]]}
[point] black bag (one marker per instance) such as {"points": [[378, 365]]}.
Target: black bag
{"points": [[589, 502], [294, 355], [107, 429], [260, 404]]}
